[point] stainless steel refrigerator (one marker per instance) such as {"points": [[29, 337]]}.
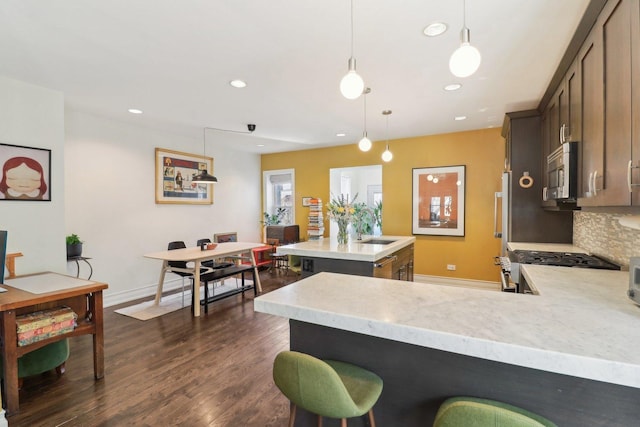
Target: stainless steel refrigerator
{"points": [[519, 216]]}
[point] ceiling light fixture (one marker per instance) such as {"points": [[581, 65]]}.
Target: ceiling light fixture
{"points": [[466, 59], [387, 155], [341, 134], [365, 142], [435, 29], [452, 87], [351, 85], [203, 177], [134, 111], [238, 83], [458, 118]]}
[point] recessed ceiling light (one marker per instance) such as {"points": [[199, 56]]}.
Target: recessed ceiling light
{"points": [[238, 83], [435, 29], [460, 118], [341, 134], [260, 145], [134, 111], [452, 86]]}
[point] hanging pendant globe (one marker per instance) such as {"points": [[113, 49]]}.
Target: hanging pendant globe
{"points": [[364, 144], [465, 60], [387, 155], [351, 85]]}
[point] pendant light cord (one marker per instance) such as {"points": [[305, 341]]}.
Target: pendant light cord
{"points": [[464, 13], [352, 28], [204, 145], [365, 112]]}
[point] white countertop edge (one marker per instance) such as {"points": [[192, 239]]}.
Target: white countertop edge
{"points": [[551, 361], [354, 250]]}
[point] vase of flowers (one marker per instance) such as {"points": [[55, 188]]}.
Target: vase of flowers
{"points": [[341, 211]]}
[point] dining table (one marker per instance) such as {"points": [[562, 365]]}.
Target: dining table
{"points": [[195, 256]]}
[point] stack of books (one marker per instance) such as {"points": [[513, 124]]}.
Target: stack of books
{"points": [[315, 227]]}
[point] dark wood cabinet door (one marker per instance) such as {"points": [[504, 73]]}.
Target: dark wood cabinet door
{"points": [[635, 99], [590, 62], [616, 38]]}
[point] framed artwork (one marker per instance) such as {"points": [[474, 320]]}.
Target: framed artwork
{"points": [[225, 237], [438, 200], [26, 173], [174, 174], [306, 201]]}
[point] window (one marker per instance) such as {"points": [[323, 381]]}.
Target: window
{"points": [[279, 192]]}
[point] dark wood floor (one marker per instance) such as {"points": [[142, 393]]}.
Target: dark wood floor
{"points": [[173, 370]]}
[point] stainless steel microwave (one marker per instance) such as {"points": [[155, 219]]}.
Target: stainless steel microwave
{"points": [[562, 173]]}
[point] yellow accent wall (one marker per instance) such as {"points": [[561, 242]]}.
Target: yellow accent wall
{"points": [[481, 151]]}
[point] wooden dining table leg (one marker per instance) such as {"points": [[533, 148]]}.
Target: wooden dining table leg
{"points": [[196, 289], [255, 271], [163, 271]]}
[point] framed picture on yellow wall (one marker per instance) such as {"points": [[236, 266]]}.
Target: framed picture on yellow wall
{"points": [[174, 175], [438, 200]]}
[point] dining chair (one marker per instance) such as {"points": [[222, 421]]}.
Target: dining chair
{"points": [[182, 265]]}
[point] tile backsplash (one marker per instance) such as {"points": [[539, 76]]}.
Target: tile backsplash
{"points": [[601, 234]]}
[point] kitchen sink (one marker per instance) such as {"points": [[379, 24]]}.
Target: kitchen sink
{"points": [[377, 242]]}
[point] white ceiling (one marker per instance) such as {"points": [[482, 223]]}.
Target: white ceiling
{"points": [[174, 61]]}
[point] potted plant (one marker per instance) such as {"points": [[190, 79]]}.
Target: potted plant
{"points": [[274, 219], [74, 246]]}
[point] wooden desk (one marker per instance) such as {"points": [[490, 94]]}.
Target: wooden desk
{"points": [[196, 255], [82, 296]]}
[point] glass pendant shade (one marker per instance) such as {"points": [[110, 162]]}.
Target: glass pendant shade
{"points": [[365, 143], [387, 155], [466, 59], [351, 85]]}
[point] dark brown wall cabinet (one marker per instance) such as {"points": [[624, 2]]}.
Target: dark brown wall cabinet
{"points": [[598, 104]]}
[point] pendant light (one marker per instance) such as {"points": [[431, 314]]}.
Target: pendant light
{"points": [[365, 142], [387, 155], [203, 177], [351, 85], [466, 59]]}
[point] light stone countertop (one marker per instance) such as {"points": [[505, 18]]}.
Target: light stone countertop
{"points": [[354, 250], [582, 324]]}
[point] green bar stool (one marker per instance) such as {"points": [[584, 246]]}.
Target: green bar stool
{"points": [[474, 412], [327, 388]]}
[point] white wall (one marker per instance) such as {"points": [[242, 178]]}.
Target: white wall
{"points": [[111, 200], [33, 116]]}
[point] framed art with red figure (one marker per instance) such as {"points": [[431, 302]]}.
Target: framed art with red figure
{"points": [[25, 173]]}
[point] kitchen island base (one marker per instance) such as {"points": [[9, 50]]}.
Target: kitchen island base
{"points": [[418, 379]]}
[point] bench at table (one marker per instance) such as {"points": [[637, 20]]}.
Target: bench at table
{"points": [[222, 273]]}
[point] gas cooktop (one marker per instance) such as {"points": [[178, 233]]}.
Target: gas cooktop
{"points": [[564, 259]]}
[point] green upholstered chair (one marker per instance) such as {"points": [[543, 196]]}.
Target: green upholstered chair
{"points": [[294, 264], [51, 356], [474, 412], [327, 388]]}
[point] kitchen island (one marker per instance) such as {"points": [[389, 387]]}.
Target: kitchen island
{"points": [[569, 354], [388, 257]]}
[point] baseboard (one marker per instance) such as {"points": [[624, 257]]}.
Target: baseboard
{"points": [[465, 283], [143, 292]]}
